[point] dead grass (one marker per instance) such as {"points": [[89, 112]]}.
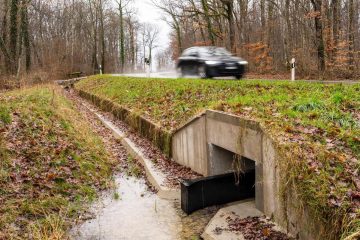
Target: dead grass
{"points": [[52, 164]]}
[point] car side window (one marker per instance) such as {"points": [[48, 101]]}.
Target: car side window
{"points": [[187, 52], [194, 53], [190, 53], [203, 53]]}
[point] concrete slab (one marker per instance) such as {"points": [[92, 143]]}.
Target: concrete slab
{"points": [[216, 229], [242, 209], [156, 178]]}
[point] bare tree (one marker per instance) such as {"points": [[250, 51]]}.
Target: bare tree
{"points": [[122, 4], [60, 37], [318, 5], [14, 34], [149, 36]]}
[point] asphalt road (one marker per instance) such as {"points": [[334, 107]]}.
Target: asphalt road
{"points": [[174, 75], [170, 75], [152, 75]]}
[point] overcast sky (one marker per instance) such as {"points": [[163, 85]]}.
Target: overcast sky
{"points": [[147, 12]]}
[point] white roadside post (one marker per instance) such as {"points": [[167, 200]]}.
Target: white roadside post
{"points": [[148, 66], [100, 67], [293, 68]]}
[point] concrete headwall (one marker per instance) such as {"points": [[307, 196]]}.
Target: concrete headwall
{"points": [[205, 145], [194, 145]]}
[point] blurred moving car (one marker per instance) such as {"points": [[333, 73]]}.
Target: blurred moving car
{"points": [[209, 62]]}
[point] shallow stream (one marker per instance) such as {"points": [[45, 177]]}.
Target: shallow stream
{"points": [[133, 212]]}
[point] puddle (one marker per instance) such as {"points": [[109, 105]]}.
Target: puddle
{"points": [[140, 214]]}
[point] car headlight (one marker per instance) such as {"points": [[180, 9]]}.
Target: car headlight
{"points": [[243, 62], [212, 62]]}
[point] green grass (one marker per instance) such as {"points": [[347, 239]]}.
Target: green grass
{"points": [[170, 103], [117, 196], [5, 117], [133, 168], [51, 167], [317, 127]]}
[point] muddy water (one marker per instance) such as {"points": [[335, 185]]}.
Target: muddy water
{"points": [[140, 214]]}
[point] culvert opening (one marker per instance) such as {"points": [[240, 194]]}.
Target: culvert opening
{"points": [[234, 181], [224, 161]]}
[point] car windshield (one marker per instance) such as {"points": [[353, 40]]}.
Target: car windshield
{"points": [[214, 52]]}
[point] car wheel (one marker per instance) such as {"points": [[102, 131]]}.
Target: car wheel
{"points": [[238, 77], [202, 71]]}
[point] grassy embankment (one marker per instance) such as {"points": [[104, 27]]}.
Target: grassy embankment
{"points": [[51, 164], [317, 127]]}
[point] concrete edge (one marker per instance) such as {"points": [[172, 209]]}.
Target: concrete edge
{"points": [[155, 178], [225, 117], [233, 119], [189, 122]]}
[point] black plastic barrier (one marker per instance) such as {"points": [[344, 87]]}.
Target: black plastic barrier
{"points": [[216, 190]]}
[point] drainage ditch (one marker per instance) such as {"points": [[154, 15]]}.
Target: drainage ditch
{"points": [[135, 213], [140, 214], [131, 211]]}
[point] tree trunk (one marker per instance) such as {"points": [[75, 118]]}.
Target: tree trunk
{"points": [[25, 34], [208, 21], [13, 35], [288, 34], [103, 44], [336, 25], [270, 24], [263, 21], [229, 8], [317, 5], [351, 30], [4, 40], [243, 4], [122, 38], [4, 49], [197, 17], [94, 22], [132, 45], [178, 33]]}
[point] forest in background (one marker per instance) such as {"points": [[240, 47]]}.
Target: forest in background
{"points": [[55, 37], [52, 38], [323, 35]]}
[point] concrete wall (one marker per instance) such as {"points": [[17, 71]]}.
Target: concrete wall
{"points": [[195, 145], [234, 134], [206, 145], [190, 146]]}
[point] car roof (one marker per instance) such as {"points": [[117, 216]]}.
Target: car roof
{"points": [[203, 47]]}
